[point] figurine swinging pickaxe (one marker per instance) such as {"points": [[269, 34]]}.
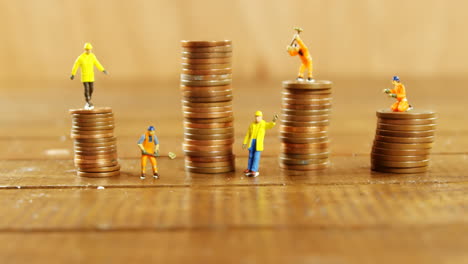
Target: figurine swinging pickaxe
{"points": [[299, 30]]}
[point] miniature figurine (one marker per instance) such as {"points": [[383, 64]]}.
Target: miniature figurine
{"points": [[399, 93], [87, 60], [254, 140], [297, 47], [149, 145]]}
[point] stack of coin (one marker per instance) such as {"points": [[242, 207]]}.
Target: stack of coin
{"points": [[304, 129], [207, 106], [403, 141], [95, 144]]}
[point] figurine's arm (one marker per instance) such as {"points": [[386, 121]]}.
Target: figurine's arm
{"points": [[140, 144], [156, 145], [300, 42], [270, 125], [99, 65], [246, 138], [75, 68]]}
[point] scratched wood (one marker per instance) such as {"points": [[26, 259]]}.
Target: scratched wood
{"points": [[345, 214]]}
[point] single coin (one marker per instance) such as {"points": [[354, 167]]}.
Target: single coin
{"points": [[98, 174], [302, 162], [191, 77], [210, 120], [292, 129], [207, 61], [323, 123], [320, 145], [227, 98], [413, 114], [94, 145], [206, 109], [305, 167], [207, 115], [96, 157], [223, 48], [427, 121], [187, 147], [320, 135], [92, 148], [313, 118], [93, 120], [219, 164], [101, 169], [399, 158], [91, 132], [288, 94], [106, 162], [206, 83], [210, 170], [85, 117], [191, 43], [315, 156], [207, 72], [79, 136], [92, 128], [222, 66], [403, 146], [399, 164], [288, 101], [95, 165], [205, 55], [307, 107], [399, 152], [400, 170], [406, 127], [92, 125], [208, 137], [219, 142], [305, 92], [303, 140], [405, 139], [209, 131], [409, 134], [205, 105], [303, 151], [306, 112], [96, 110], [210, 125], [208, 94], [95, 152], [316, 85], [208, 154], [210, 159]]}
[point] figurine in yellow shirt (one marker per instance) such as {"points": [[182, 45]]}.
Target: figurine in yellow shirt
{"points": [[254, 141], [86, 61], [399, 93], [298, 47]]}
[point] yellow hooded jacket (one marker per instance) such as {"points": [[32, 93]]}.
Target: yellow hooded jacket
{"points": [[257, 131], [87, 62]]}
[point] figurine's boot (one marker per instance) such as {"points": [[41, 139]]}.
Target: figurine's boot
{"points": [[142, 176], [156, 175]]}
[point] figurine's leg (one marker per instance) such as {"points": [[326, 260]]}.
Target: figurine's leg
{"points": [[251, 157], [394, 106], [154, 163], [86, 91], [403, 106], [143, 165], [256, 161], [91, 90], [309, 69], [302, 68]]}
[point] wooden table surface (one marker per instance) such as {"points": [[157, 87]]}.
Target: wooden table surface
{"points": [[345, 214]]}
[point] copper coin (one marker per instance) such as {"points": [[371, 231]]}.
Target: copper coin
{"points": [[191, 43], [92, 125], [208, 94], [101, 169], [80, 151], [210, 120], [303, 140], [219, 164], [399, 164], [305, 167], [83, 117], [210, 170], [96, 110], [427, 121], [402, 146], [224, 48], [98, 174], [79, 136], [93, 120], [209, 99], [320, 145], [291, 129], [399, 152], [287, 94], [410, 134], [77, 128], [93, 148], [219, 142], [398, 158], [80, 162], [208, 137], [319, 155], [208, 154], [207, 115], [207, 72], [98, 164], [303, 151], [413, 114], [209, 125], [306, 92], [406, 127], [307, 107], [223, 66], [306, 112], [95, 144], [304, 134], [91, 132], [205, 105], [306, 124], [316, 85], [209, 131], [205, 55], [326, 101], [210, 159], [109, 156], [207, 109], [405, 139], [187, 147], [191, 77], [207, 61], [400, 170], [206, 83], [302, 162], [313, 118]]}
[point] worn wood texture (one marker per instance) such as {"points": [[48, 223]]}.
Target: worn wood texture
{"points": [[345, 214]]}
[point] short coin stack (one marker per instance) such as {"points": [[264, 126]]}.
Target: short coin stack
{"points": [[403, 141], [207, 106], [95, 144], [304, 128]]}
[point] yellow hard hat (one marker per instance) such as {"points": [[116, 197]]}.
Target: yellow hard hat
{"points": [[88, 46], [258, 113]]}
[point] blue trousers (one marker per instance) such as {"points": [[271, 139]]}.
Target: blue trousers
{"points": [[254, 157]]}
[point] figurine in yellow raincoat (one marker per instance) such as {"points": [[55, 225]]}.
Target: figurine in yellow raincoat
{"points": [[297, 47], [86, 61], [254, 141], [399, 93], [149, 146]]}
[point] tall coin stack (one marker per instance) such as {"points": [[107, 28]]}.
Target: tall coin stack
{"points": [[207, 106], [403, 141], [95, 144], [304, 129]]}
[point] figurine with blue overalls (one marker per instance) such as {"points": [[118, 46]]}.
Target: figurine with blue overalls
{"points": [[86, 61], [149, 146], [254, 141]]}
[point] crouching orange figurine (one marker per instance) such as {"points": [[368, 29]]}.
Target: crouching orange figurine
{"points": [[399, 93], [297, 47]]}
